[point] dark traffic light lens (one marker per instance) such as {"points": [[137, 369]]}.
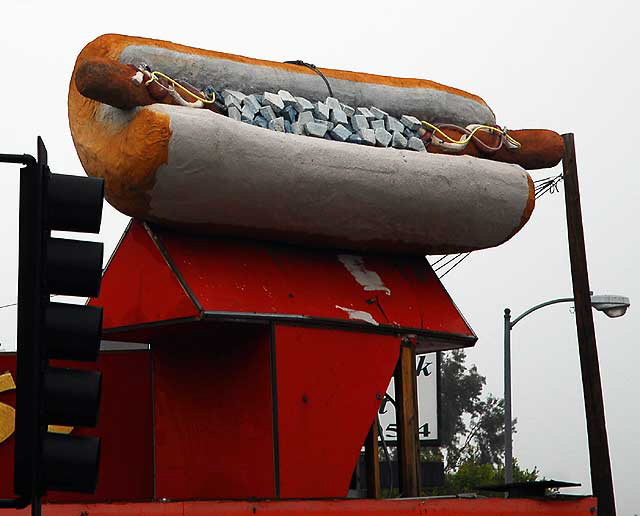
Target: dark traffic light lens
{"points": [[74, 203], [71, 462], [74, 267], [73, 331], [71, 396]]}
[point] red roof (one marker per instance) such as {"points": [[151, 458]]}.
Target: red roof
{"points": [[159, 280]]}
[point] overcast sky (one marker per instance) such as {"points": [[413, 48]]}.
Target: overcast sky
{"points": [[570, 66]]}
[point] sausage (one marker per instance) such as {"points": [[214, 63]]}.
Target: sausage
{"points": [[540, 148], [124, 86], [107, 81]]}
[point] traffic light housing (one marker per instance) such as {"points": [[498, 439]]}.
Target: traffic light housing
{"points": [[47, 330]]}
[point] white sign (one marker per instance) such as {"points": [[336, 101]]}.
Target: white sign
{"points": [[427, 383]]}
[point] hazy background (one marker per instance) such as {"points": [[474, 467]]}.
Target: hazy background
{"points": [[571, 66]]}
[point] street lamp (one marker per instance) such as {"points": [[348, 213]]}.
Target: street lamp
{"points": [[612, 306]]}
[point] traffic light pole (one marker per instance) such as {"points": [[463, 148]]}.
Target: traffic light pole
{"points": [[18, 159], [29, 172], [50, 395], [31, 304]]}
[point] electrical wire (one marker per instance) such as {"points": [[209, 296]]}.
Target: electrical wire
{"points": [[313, 67], [544, 179], [447, 262], [439, 259], [542, 186], [16, 303], [548, 185], [454, 266]]}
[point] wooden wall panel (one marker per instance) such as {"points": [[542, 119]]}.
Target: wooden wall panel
{"points": [[330, 384], [213, 414]]}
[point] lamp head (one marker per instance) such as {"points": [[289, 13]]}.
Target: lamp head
{"points": [[612, 306]]}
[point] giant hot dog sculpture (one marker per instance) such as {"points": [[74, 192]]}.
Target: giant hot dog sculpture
{"points": [[201, 171]]}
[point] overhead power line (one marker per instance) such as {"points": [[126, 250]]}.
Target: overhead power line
{"points": [[542, 186]]}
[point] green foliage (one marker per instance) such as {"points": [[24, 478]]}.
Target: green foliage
{"points": [[470, 475], [471, 427], [471, 431]]}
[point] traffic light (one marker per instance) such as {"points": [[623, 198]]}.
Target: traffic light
{"points": [[48, 395]]}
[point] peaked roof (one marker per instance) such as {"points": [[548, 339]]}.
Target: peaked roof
{"points": [[158, 280]]}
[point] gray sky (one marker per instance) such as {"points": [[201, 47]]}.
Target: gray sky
{"points": [[570, 66]]}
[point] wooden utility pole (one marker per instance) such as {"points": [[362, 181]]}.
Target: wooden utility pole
{"points": [[407, 420], [601, 480]]}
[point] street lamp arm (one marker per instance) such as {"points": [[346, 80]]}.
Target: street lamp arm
{"points": [[508, 437], [541, 305]]}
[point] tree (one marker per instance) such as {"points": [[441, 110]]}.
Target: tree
{"points": [[471, 430], [471, 474]]}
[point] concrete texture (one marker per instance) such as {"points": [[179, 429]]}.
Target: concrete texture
{"points": [[303, 104], [261, 121], [368, 136], [408, 133], [243, 180], [273, 100], [392, 124], [378, 113], [268, 113], [416, 144], [316, 129], [333, 103], [287, 98], [252, 101], [231, 101], [348, 110], [383, 137], [339, 117], [289, 113], [305, 117], [233, 93], [365, 112], [234, 113], [340, 133], [398, 141], [359, 122], [321, 111], [249, 111], [410, 122], [423, 102], [277, 124]]}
